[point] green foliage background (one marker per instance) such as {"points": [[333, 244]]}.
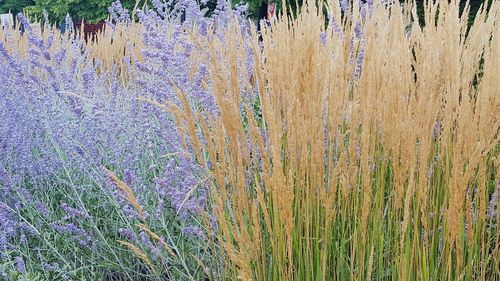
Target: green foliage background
{"points": [[90, 10]]}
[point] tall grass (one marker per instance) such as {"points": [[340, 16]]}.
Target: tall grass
{"points": [[369, 155]]}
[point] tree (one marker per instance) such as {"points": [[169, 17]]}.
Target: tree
{"points": [[14, 6], [57, 9], [90, 10], [96, 10]]}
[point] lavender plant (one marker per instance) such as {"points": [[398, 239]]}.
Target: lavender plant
{"points": [[63, 120]]}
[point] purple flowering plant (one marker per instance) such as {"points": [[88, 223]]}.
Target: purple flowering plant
{"points": [[63, 120]]}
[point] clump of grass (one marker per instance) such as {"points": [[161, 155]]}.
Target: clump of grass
{"points": [[373, 156]]}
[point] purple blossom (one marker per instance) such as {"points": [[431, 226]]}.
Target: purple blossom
{"points": [[358, 30], [75, 233], [370, 6], [344, 6], [127, 233], [118, 12], [362, 11], [436, 130], [8, 224], [160, 208], [51, 266], [68, 22], [178, 186], [491, 212], [241, 9], [20, 266], [3, 245], [193, 230], [335, 27], [359, 63], [323, 38], [25, 194], [74, 212]]}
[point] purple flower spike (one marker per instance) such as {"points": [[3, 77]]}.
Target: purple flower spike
{"points": [[370, 6], [344, 6], [359, 63], [20, 266]]}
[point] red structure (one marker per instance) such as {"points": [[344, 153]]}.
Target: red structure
{"points": [[89, 29]]}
